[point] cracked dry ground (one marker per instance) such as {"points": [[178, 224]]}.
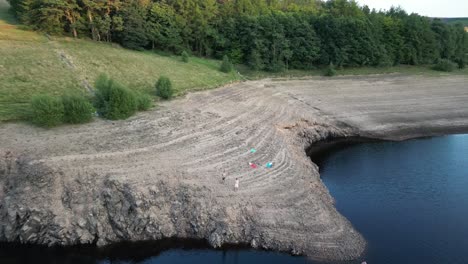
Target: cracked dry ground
{"points": [[159, 174]]}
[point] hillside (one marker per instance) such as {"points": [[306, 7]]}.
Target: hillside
{"points": [[32, 63], [455, 20]]}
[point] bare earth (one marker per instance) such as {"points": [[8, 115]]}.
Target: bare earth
{"points": [[159, 174]]}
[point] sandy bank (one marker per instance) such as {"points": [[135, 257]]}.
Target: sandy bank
{"points": [[159, 174]]}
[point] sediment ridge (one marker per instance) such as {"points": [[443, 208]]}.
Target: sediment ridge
{"points": [[160, 174]]}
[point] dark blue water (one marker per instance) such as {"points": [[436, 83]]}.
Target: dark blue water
{"points": [[409, 200], [161, 252]]}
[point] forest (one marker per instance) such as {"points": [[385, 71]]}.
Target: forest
{"points": [[271, 35]]}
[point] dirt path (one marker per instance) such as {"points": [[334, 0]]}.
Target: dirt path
{"points": [[159, 174]]}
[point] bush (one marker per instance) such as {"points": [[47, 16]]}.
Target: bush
{"points": [[113, 100], [46, 111], [330, 71], [461, 64], [78, 110], [226, 65], [144, 102], [185, 56], [444, 65], [276, 66], [102, 86], [255, 61], [164, 88]]}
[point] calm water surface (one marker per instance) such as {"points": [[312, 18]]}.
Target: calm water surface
{"points": [[409, 200]]}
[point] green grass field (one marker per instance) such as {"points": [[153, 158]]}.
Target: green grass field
{"points": [[31, 64]]}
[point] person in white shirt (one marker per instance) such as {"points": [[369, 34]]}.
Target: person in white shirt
{"points": [[236, 185]]}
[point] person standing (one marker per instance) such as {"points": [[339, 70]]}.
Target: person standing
{"points": [[236, 185]]}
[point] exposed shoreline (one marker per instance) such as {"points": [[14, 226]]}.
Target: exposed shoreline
{"points": [[158, 175]]}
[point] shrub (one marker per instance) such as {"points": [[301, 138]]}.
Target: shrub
{"points": [[444, 65], [256, 62], [122, 102], [113, 100], [144, 102], [78, 109], [185, 56], [330, 71], [102, 86], [226, 65], [101, 98], [46, 111], [276, 66], [461, 64], [164, 88]]}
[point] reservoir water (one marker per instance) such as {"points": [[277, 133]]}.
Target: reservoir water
{"points": [[409, 199]]}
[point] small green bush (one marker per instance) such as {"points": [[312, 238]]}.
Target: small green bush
{"points": [[444, 65], [122, 102], [185, 56], [276, 66], [113, 100], [330, 71], [226, 65], [46, 111], [164, 88], [144, 102], [256, 62], [461, 64], [101, 98], [78, 109]]}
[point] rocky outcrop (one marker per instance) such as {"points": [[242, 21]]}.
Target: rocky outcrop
{"points": [[39, 206], [119, 212]]}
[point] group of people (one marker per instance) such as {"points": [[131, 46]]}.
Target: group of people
{"points": [[236, 184], [269, 165]]}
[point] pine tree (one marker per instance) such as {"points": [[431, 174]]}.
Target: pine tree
{"points": [[134, 34]]}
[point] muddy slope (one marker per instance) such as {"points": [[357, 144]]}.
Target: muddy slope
{"points": [[160, 173]]}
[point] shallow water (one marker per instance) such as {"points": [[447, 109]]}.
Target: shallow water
{"points": [[409, 200]]}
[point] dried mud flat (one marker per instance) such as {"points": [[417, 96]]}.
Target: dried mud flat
{"points": [[159, 174]]}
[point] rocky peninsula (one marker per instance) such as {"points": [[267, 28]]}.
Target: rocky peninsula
{"points": [[160, 174]]}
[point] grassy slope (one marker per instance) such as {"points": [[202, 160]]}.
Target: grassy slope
{"points": [[31, 64], [140, 70], [28, 65]]}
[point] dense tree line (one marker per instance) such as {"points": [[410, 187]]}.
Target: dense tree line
{"points": [[265, 34]]}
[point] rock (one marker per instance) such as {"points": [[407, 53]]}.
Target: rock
{"points": [[254, 243], [296, 252], [215, 240], [81, 222]]}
